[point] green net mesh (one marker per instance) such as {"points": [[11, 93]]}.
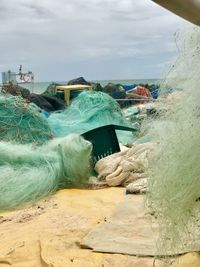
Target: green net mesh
{"points": [[21, 122], [90, 110], [28, 173], [174, 187]]}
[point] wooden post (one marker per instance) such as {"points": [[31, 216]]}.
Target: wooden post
{"points": [[187, 9]]}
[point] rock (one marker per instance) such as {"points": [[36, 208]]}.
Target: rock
{"points": [[47, 103], [79, 80], [115, 90]]}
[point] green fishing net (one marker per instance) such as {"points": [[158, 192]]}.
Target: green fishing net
{"points": [[89, 110], [21, 122], [28, 172], [174, 187]]}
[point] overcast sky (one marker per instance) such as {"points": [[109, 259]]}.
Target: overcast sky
{"points": [[98, 39]]}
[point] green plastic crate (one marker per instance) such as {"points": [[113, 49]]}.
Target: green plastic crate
{"points": [[104, 140]]}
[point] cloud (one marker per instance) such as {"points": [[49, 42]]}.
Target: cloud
{"points": [[61, 39]]}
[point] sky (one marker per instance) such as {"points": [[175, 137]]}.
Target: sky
{"points": [[98, 39]]}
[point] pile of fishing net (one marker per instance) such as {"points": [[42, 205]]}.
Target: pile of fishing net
{"points": [[127, 166], [22, 122], [89, 110], [175, 178], [28, 173]]}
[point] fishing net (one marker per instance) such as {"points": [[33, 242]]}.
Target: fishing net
{"points": [[21, 122], [175, 179], [28, 173], [89, 110]]}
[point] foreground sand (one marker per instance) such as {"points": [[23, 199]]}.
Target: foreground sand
{"points": [[49, 233]]}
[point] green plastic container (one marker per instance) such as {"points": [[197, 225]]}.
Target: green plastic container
{"points": [[104, 140]]}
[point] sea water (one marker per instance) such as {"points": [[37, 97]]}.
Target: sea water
{"points": [[40, 87]]}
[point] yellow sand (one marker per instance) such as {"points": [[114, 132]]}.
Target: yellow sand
{"points": [[49, 233]]}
